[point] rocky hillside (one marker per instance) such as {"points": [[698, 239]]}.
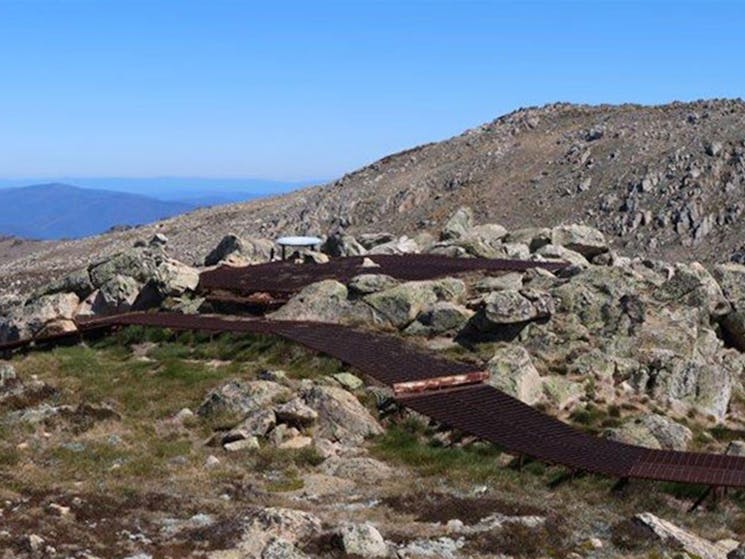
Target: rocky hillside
{"points": [[665, 181], [151, 444]]}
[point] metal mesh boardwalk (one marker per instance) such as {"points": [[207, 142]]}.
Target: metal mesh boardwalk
{"points": [[481, 410], [287, 277]]}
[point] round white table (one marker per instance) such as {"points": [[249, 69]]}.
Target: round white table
{"points": [[302, 242]]}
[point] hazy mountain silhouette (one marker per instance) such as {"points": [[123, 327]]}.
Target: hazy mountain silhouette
{"points": [[56, 211]]}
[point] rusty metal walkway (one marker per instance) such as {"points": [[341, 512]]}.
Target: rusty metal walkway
{"points": [[284, 278], [477, 408]]}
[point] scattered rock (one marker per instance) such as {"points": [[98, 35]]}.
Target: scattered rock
{"points": [[296, 412], [342, 244], [239, 398], [341, 417], [736, 448], [587, 241], [653, 431], [117, 295], [401, 304], [694, 286], [362, 469], [401, 245], [458, 225], [349, 381], [7, 374], [296, 442], [324, 301], [363, 540], [250, 443], [442, 317], [692, 544], [512, 307], [256, 424], [211, 462], [512, 371], [562, 392], [365, 284], [236, 251]]}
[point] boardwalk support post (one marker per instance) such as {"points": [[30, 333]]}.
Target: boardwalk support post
{"points": [[702, 498], [620, 484], [569, 475]]}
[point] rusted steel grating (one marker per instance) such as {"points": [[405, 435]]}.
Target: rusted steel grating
{"points": [[478, 409], [287, 277], [386, 358]]}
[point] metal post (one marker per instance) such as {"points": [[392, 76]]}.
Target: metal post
{"points": [[702, 498]]}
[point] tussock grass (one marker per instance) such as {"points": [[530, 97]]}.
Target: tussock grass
{"points": [[477, 463]]}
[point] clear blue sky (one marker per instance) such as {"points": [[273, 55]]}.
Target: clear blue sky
{"points": [[286, 90]]}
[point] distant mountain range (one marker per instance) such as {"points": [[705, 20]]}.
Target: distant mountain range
{"points": [[57, 211], [64, 211]]}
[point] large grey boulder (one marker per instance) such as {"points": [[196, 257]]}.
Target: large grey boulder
{"points": [[653, 431], [365, 284], [256, 424], [173, 278], [401, 304], [562, 392], [237, 251], [485, 241], [78, 282], [341, 417], [442, 317], [731, 279], [605, 299], [587, 241], [676, 537], [533, 237], [512, 306], [48, 314], [511, 370], [458, 224], [694, 286], [401, 245], [117, 295], [342, 244], [139, 263], [328, 301], [563, 254], [687, 367], [296, 412], [241, 398], [324, 301], [510, 281]]}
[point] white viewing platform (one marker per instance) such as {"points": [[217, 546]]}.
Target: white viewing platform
{"points": [[300, 242]]}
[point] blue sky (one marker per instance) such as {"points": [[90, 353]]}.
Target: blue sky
{"points": [[289, 91]]}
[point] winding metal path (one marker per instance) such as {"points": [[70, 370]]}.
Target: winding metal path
{"points": [[473, 406]]}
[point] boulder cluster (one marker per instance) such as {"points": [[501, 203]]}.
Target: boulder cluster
{"points": [[139, 278], [606, 329]]}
